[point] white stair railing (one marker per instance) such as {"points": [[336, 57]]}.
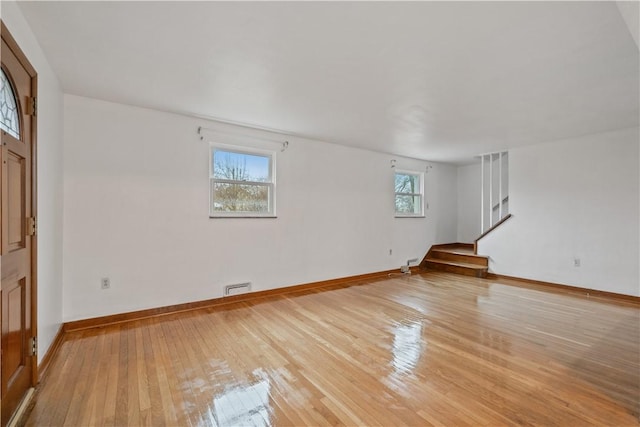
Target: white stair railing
{"points": [[494, 192]]}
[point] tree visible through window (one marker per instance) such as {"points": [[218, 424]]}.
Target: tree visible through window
{"points": [[409, 193], [242, 183]]}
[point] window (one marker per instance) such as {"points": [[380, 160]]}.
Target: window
{"points": [[409, 194], [242, 183], [9, 121]]}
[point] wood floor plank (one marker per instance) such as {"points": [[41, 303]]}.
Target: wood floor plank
{"points": [[110, 386], [427, 349]]}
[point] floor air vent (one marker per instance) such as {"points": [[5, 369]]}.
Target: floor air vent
{"points": [[238, 288]]}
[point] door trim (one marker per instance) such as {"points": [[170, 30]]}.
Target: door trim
{"points": [[24, 61]]}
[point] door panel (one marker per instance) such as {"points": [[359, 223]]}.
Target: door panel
{"points": [[14, 353], [17, 244], [16, 193]]}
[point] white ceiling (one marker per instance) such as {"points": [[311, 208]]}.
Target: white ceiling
{"points": [[431, 80]]}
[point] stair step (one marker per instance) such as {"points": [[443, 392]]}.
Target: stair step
{"points": [[457, 264], [459, 257], [457, 267], [457, 251], [462, 247]]}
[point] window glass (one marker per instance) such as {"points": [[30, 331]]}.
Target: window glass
{"points": [[240, 198], [408, 194], [407, 183], [241, 166], [242, 183], [9, 119]]}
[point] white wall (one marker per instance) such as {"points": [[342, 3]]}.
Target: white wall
{"points": [[136, 210], [576, 198], [469, 188], [50, 162], [629, 11]]}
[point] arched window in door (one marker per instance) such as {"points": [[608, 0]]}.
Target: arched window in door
{"points": [[9, 116]]}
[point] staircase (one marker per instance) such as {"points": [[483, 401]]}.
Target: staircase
{"points": [[456, 258], [461, 258]]}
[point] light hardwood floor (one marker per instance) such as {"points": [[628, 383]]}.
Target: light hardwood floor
{"points": [[432, 349]]}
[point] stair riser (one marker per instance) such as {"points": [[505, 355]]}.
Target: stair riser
{"points": [[469, 259], [467, 246], [456, 269]]}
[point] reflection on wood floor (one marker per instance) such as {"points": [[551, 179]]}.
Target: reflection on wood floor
{"points": [[431, 349]]}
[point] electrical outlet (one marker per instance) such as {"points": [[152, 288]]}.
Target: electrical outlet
{"points": [[576, 262], [105, 283]]}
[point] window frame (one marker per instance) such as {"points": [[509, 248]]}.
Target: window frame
{"points": [[271, 184], [420, 176]]}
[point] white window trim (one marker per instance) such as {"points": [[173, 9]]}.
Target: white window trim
{"points": [[272, 183], [420, 174]]}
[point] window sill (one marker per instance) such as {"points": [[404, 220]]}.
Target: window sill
{"points": [[410, 216]]}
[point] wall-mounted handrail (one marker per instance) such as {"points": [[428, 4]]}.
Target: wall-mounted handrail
{"points": [[493, 227]]}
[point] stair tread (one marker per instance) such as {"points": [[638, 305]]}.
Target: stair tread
{"points": [[457, 251], [457, 264], [466, 246]]}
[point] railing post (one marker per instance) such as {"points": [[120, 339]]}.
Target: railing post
{"points": [[500, 186], [491, 190], [482, 194]]}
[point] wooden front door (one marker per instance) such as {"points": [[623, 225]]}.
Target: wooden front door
{"points": [[17, 231]]}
